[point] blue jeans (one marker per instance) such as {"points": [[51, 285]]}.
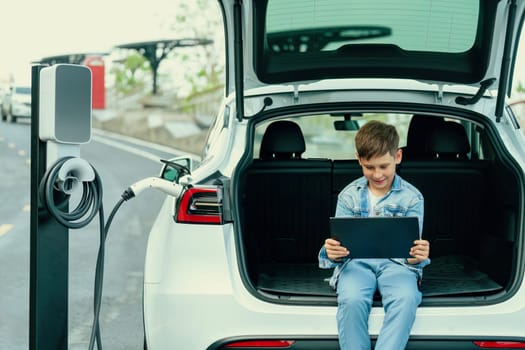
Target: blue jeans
{"points": [[355, 291]]}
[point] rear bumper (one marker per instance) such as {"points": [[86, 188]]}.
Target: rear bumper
{"points": [[176, 317], [200, 322], [222, 323], [415, 343]]}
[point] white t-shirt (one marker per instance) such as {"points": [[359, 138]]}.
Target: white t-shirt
{"points": [[372, 201]]}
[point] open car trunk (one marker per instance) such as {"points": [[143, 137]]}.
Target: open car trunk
{"points": [[472, 214]]}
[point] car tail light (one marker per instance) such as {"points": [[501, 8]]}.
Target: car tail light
{"points": [[500, 344], [200, 206], [266, 344]]}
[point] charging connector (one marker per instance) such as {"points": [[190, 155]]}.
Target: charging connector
{"points": [[168, 187]]}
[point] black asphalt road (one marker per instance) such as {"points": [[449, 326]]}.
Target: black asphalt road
{"points": [[119, 163]]}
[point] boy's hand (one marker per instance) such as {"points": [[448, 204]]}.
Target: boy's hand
{"points": [[334, 250], [420, 251]]}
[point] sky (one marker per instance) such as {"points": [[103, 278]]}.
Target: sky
{"points": [[32, 29]]}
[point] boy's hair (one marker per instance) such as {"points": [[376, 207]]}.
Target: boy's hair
{"points": [[376, 138]]}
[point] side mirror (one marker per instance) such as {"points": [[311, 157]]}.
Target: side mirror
{"points": [[175, 168]]}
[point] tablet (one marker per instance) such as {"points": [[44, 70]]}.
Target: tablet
{"points": [[376, 237]]}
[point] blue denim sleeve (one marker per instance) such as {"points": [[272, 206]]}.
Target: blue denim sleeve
{"points": [[418, 210], [324, 261], [341, 208]]}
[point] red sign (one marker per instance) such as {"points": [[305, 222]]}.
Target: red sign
{"points": [[96, 64]]}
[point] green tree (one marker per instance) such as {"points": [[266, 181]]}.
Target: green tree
{"points": [[203, 65], [520, 88], [127, 79], [184, 70]]}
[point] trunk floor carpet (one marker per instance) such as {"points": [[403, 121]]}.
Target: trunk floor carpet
{"points": [[447, 275]]}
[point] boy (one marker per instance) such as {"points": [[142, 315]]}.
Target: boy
{"points": [[379, 192]]}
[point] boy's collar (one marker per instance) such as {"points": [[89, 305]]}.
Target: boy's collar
{"points": [[396, 183]]}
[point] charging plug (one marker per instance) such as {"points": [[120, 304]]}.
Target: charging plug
{"points": [[168, 187]]}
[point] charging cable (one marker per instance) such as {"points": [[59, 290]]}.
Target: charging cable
{"points": [[65, 177], [60, 181], [170, 188]]}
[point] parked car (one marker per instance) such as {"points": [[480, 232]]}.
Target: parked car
{"points": [[232, 262], [16, 103], [3, 91]]}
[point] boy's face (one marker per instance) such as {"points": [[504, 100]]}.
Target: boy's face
{"points": [[380, 171]]}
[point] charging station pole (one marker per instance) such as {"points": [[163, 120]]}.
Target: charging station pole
{"points": [[49, 251]]}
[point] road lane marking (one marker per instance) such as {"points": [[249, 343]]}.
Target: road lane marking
{"points": [[106, 137], [4, 228], [135, 141], [126, 148]]}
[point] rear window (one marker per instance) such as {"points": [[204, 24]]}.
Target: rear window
{"points": [[326, 137], [430, 40], [323, 140], [414, 25]]}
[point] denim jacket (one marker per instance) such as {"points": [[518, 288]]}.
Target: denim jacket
{"points": [[403, 199]]}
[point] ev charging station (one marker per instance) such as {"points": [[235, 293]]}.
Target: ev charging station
{"points": [[61, 121]]}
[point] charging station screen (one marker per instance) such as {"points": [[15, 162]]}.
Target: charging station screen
{"points": [[73, 104]]}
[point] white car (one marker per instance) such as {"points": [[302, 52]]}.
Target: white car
{"points": [[3, 91], [16, 103], [232, 263]]}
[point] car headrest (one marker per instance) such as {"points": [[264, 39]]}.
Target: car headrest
{"points": [[417, 135], [282, 140], [449, 140]]}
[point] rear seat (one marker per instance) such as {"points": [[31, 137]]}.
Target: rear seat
{"points": [[453, 187], [287, 200]]}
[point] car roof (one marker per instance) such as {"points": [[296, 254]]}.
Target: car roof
{"points": [[299, 41]]}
